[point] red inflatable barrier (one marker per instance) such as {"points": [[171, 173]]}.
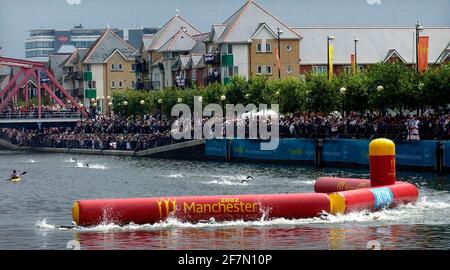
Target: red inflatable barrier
{"points": [[331, 184], [373, 198], [196, 209]]}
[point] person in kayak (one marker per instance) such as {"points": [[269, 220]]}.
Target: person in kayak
{"points": [[14, 175]]}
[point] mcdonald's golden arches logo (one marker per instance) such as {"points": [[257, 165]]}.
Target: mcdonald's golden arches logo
{"points": [[169, 205]]}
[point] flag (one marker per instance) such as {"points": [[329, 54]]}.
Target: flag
{"points": [[277, 56], [352, 59], [423, 53], [330, 61]]}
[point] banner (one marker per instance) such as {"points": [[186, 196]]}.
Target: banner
{"points": [[423, 53], [352, 59], [277, 56], [330, 61]]}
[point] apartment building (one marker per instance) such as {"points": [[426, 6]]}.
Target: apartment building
{"points": [[159, 52], [252, 42], [95, 73]]}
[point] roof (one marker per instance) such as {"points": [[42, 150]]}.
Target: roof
{"points": [[74, 58], [373, 46], [171, 28], [66, 49], [147, 41], [180, 42], [104, 46], [241, 26], [55, 62]]}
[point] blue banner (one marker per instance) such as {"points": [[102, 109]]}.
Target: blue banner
{"points": [[288, 149], [216, 148], [346, 151], [416, 153], [446, 154], [408, 153]]}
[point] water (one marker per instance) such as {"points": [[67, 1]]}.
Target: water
{"points": [[32, 211]]}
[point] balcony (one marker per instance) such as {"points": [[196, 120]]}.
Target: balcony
{"points": [[73, 76], [183, 83], [141, 67], [212, 59], [87, 76], [148, 86], [227, 60]]}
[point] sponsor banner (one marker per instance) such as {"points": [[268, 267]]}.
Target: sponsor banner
{"points": [[416, 153], [347, 151], [216, 148], [446, 153], [288, 149], [383, 197]]}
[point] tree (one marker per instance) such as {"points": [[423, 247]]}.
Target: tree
{"points": [[322, 95], [288, 93], [356, 97], [436, 87], [399, 85]]}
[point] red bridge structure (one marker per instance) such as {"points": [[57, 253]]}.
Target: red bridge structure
{"points": [[17, 87]]}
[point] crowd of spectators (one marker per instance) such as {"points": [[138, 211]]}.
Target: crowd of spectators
{"points": [[48, 111], [113, 132], [105, 132]]}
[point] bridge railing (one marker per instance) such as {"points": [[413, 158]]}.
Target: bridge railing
{"points": [[45, 114]]}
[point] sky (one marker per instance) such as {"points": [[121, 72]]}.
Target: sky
{"points": [[19, 16]]}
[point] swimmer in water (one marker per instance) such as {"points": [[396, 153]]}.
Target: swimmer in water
{"points": [[87, 165], [74, 160], [246, 180]]}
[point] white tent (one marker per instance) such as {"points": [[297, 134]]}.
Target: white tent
{"points": [[263, 113]]}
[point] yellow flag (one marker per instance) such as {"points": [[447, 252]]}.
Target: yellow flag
{"points": [[330, 61]]}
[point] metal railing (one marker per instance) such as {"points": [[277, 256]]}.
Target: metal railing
{"points": [[45, 114]]}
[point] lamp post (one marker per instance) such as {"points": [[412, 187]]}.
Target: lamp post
{"points": [[142, 102], [380, 89], [356, 54], [329, 38], [160, 101], [222, 100], [279, 32], [419, 28], [343, 90]]}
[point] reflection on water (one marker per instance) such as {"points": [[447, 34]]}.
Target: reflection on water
{"points": [[390, 237], [32, 212]]}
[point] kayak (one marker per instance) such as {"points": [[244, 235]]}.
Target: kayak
{"points": [[15, 180]]}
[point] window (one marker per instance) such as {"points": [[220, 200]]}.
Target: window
{"points": [[168, 55], [320, 69], [133, 67], [268, 47], [194, 74], [288, 47], [259, 70], [133, 84], [227, 49], [113, 67], [289, 70], [120, 84], [90, 85], [120, 67], [269, 70], [113, 84], [230, 72], [87, 67], [259, 48]]}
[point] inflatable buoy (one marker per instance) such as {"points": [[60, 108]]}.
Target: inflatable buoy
{"points": [[333, 195], [200, 208]]}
